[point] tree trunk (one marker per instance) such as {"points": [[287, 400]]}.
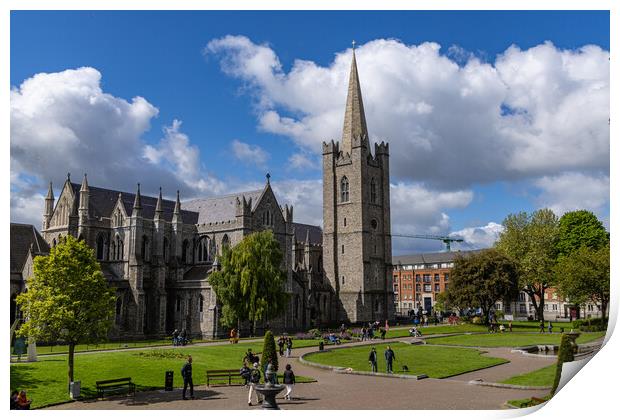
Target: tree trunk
{"points": [[541, 306], [71, 354], [603, 309]]}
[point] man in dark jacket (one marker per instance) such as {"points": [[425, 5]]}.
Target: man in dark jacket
{"points": [[289, 381], [186, 373], [254, 380], [389, 358], [245, 373], [372, 358]]}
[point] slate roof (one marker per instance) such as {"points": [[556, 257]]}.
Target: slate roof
{"points": [[220, 209], [22, 236], [199, 272], [102, 201], [430, 258], [316, 233]]}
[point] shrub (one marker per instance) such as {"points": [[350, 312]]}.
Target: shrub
{"points": [[269, 352], [476, 320], [499, 315], [590, 324], [315, 332], [566, 353]]}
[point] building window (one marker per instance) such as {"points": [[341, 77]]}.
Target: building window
{"points": [[342, 279], [342, 249], [204, 249], [417, 278], [522, 308], [446, 277], [100, 247], [166, 253], [178, 302], [184, 251], [436, 277], [437, 287], [555, 307], [145, 248], [225, 242], [345, 221], [374, 224], [344, 190], [373, 191], [427, 278], [522, 297], [201, 302], [427, 287]]}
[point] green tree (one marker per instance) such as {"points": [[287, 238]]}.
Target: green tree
{"points": [[269, 352], [250, 284], [566, 353], [67, 299], [481, 279], [530, 241], [578, 229], [583, 276]]}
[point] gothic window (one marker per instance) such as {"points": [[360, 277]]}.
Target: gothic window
{"points": [[225, 242], [344, 190], [113, 250], [204, 249], [345, 221], [100, 247], [342, 279], [320, 263], [184, 251], [178, 304], [146, 249], [201, 301], [267, 218], [296, 307], [119, 309], [373, 223], [121, 250], [343, 249], [166, 250], [373, 191]]}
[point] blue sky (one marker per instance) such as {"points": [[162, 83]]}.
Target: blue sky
{"points": [[248, 105]]}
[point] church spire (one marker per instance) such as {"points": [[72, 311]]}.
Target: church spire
{"points": [[176, 214], [137, 203], [354, 118], [158, 209]]}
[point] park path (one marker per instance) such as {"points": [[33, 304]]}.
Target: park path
{"points": [[338, 391]]}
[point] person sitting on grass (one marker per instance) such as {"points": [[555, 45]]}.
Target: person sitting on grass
{"points": [[23, 403]]}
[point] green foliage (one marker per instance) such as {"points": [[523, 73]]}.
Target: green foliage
{"points": [[584, 276], [566, 353], [440, 302], [579, 229], [250, 284], [530, 241], [269, 351], [315, 332], [67, 299], [590, 324], [162, 354], [481, 279]]}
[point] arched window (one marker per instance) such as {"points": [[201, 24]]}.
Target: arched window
{"points": [[53, 242], [145, 249], [204, 249], [113, 250], [119, 306], [225, 242], [344, 190], [178, 303], [166, 253], [121, 250], [100, 247], [320, 263], [184, 251], [373, 191], [201, 302], [296, 312], [342, 279]]}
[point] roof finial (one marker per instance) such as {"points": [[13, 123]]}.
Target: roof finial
{"points": [[69, 176], [353, 44], [158, 208], [267, 176]]}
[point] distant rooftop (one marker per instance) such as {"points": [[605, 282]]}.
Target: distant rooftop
{"points": [[430, 258]]}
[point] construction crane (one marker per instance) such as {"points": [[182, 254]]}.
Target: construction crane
{"points": [[445, 239]]}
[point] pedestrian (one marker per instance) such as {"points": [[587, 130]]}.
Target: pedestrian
{"points": [[233, 335], [289, 381], [245, 374], [550, 327], [542, 326], [250, 357], [372, 358], [364, 333], [343, 328], [254, 380], [175, 337], [281, 346], [389, 358], [510, 325], [289, 346], [382, 330], [183, 337], [186, 374]]}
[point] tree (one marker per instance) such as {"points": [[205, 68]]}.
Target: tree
{"points": [[67, 299], [530, 241], [578, 229], [250, 284], [269, 352], [481, 279], [583, 276]]}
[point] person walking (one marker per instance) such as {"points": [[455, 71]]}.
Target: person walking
{"points": [[254, 380], [186, 374], [542, 326], [510, 326], [281, 346], [389, 358], [289, 381], [382, 331], [550, 327], [175, 337], [289, 346], [372, 358]]}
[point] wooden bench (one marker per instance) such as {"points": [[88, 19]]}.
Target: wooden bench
{"points": [[114, 386], [223, 374]]}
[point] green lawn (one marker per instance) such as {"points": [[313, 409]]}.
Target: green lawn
{"points": [[540, 377], [46, 380], [509, 340], [435, 362], [517, 326]]}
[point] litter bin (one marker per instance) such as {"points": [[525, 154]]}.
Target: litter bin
{"points": [[321, 346], [169, 380], [74, 389]]}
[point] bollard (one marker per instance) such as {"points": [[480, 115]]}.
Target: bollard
{"points": [[321, 346], [168, 384]]}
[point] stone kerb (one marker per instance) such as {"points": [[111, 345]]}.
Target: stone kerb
{"points": [[480, 382]]}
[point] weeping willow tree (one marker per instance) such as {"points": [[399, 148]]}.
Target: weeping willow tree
{"points": [[250, 283]]}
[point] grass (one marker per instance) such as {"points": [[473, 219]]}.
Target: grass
{"points": [[46, 380], [527, 402], [509, 340], [540, 377], [435, 362], [517, 326]]}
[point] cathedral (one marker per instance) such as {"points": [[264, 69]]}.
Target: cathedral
{"points": [[158, 254]]}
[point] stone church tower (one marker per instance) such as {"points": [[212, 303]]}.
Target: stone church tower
{"points": [[357, 249]]}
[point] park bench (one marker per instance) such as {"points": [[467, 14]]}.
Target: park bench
{"points": [[223, 375], [113, 386]]}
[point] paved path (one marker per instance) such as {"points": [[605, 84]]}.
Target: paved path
{"points": [[344, 391]]}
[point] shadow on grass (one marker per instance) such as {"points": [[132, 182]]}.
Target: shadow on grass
{"points": [[23, 378]]}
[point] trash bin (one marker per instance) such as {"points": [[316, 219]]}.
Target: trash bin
{"points": [[74, 389], [169, 380], [321, 346]]}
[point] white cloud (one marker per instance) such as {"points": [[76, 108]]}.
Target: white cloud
{"points": [[530, 113], [64, 122], [249, 154], [574, 191], [303, 161], [478, 237]]}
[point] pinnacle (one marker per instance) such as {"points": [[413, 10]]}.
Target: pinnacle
{"points": [[354, 118]]}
